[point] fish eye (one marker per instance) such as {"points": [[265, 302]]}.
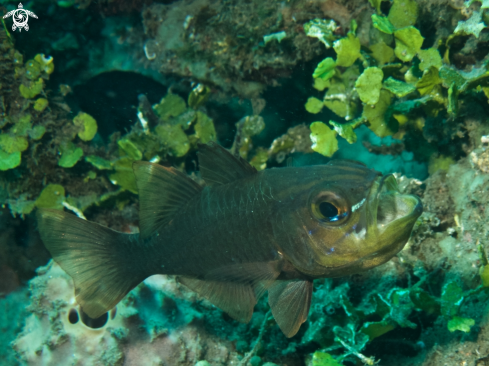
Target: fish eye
{"points": [[330, 208]]}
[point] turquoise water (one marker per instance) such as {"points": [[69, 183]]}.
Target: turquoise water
{"points": [[93, 86]]}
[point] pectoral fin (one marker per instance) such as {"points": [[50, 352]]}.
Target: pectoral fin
{"points": [[290, 302]]}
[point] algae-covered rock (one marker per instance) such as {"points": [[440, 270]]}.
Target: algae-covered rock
{"points": [[474, 25], [368, 85], [87, 124], [52, 196], [323, 139]]}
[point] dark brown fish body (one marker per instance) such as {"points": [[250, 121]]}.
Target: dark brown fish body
{"points": [[243, 233]]}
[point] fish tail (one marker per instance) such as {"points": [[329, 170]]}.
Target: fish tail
{"points": [[102, 262]]}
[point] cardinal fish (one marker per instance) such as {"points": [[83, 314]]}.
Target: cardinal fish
{"points": [[242, 233]]}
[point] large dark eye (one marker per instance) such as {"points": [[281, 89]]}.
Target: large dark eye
{"points": [[330, 208]]}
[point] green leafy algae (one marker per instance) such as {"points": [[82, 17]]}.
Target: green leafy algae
{"points": [[37, 132], [11, 144], [40, 104], [130, 149], [70, 155], [347, 50], [325, 69], [397, 87], [452, 108], [429, 57], [451, 299], [278, 36], [403, 13], [320, 84], [124, 175], [87, 124], [314, 105], [52, 196], [382, 24], [323, 139], [174, 139], [376, 4], [462, 324], [32, 90], [368, 85], [204, 128], [346, 130], [22, 126], [9, 161], [98, 162], [323, 359], [474, 25], [171, 105], [376, 115], [322, 30], [428, 81], [382, 53], [408, 43]]}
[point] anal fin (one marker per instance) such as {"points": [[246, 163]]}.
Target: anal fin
{"points": [[236, 299], [290, 302]]}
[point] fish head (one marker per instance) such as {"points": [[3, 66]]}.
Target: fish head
{"points": [[347, 219]]}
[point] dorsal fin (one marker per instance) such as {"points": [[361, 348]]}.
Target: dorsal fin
{"points": [[219, 166], [162, 192]]}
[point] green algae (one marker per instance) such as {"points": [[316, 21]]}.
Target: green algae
{"points": [[130, 149], [346, 130], [11, 143], [383, 24], [368, 85], [9, 161], [397, 87], [323, 359], [70, 155], [314, 105], [32, 89], [428, 81], [382, 53], [98, 162], [429, 57], [52, 196], [204, 128], [37, 132], [173, 139], [462, 324], [124, 174], [347, 50], [40, 104], [278, 36], [87, 124], [376, 116], [171, 105], [325, 69], [323, 139], [403, 13], [408, 43]]}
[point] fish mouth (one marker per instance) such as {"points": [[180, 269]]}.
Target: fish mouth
{"points": [[391, 216]]}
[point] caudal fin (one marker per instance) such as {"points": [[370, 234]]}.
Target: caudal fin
{"points": [[102, 262]]}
